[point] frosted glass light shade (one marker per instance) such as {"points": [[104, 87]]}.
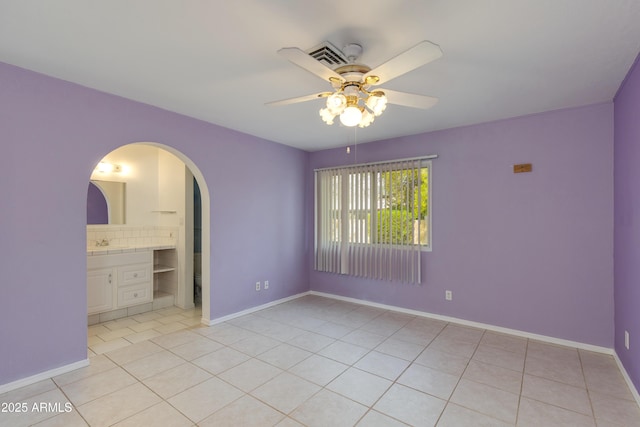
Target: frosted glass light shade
{"points": [[327, 116], [336, 103], [367, 119], [351, 116], [377, 102]]}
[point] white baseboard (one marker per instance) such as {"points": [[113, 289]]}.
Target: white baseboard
{"points": [[516, 332], [218, 320], [43, 376], [627, 378]]}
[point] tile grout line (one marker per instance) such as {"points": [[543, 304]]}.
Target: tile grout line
{"points": [[593, 412], [352, 365], [370, 408], [322, 388], [448, 401], [323, 314], [524, 369], [484, 331]]}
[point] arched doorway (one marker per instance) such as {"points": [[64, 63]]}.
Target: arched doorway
{"points": [[150, 205]]}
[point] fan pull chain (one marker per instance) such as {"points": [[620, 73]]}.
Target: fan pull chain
{"points": [[355, 145]]}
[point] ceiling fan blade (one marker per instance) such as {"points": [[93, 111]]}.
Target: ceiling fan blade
{"points": [[309, 63], [299, 99], [409, 99], [417, 56]]}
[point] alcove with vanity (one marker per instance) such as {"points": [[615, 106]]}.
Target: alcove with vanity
{"points": [[140, 234], [127, 280]]}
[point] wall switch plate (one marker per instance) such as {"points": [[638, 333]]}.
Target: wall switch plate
{"points": [[448, 295], [266, 284], [257, 286], [626, 340]]}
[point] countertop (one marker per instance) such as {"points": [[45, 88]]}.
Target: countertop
{"points": [[119, 249]]}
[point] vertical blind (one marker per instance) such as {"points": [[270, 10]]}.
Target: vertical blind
{"points": [[371, 219]]}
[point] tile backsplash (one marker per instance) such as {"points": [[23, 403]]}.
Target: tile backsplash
{"points": [[132, 235]]}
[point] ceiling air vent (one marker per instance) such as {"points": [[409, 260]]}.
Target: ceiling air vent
{"points": [[328, 54]]}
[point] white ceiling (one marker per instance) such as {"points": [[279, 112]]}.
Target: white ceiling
{"points": [[217, 61]]}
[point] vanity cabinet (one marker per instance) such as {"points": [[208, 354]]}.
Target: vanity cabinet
{"points": [[100, 289], [117, 281]]}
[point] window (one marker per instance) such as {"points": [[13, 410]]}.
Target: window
{"points": [[373, 220]]}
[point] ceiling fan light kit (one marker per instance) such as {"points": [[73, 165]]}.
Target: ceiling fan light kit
{"points": [[354, 110], [353, 100]]}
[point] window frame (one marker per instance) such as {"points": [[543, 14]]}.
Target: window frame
{"points": [[425, 162]]}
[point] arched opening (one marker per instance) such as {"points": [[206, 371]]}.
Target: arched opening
{"points": [[159, 202]]}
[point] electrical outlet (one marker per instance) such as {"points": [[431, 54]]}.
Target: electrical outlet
{"points": [[448, 295], [266, 284], [626, 340], [257, 286]]}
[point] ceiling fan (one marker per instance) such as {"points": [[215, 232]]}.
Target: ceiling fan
{"points": [[355, 98]]}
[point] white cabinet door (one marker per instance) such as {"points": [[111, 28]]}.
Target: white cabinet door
{"points": [[100, 290]]}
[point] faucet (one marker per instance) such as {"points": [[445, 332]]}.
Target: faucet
{"points": [[103, 242]]}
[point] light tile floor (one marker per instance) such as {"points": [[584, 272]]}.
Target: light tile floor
{"points": [[320, 362]]}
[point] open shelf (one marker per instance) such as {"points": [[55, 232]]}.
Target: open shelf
{"points": [[165, 276], [162, 268]]}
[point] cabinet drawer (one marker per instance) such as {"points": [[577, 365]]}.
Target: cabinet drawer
{"points": [[119, 260], [137, 294], [132, 274]]}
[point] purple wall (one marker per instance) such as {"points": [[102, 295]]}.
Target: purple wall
{"points": [[97, 208], [52, 133], [627, 222], [531, 251]]}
